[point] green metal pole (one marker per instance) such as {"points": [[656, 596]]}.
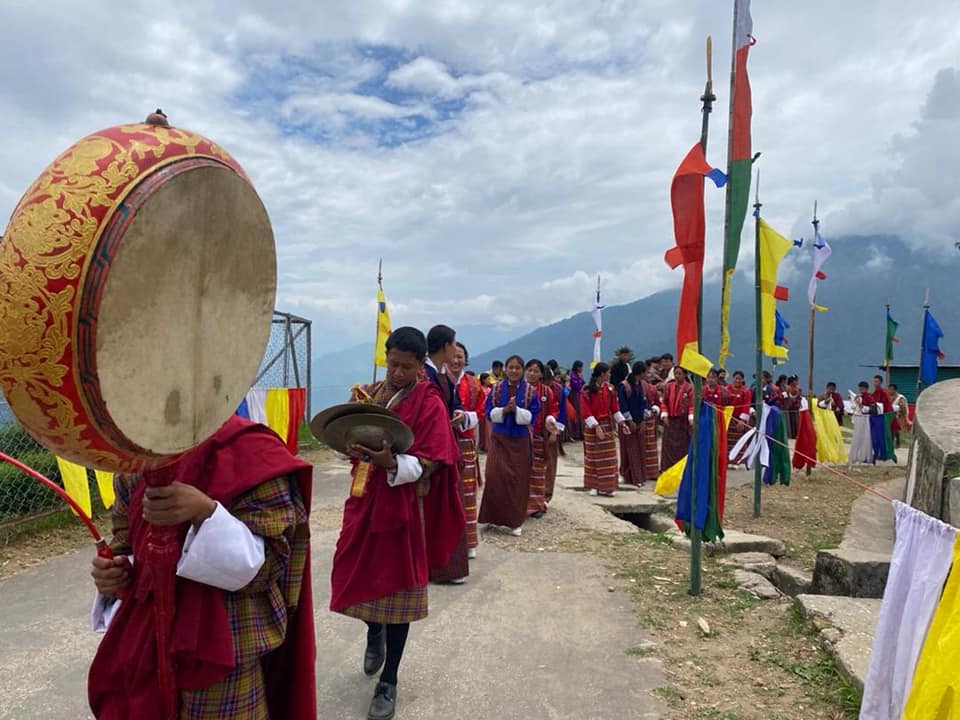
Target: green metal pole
{"points": [[696, 549], [758, 400]]}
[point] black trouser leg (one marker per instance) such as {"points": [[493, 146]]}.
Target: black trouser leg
{"points": [[374, 632], [396, 640]]}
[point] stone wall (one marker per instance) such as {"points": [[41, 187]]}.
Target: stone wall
{"points": [[933, 468]]}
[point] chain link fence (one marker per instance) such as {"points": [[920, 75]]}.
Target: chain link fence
{"points": [[20, 495], [286, 363]]}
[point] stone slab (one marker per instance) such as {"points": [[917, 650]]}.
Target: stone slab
{"points": [[847, 626], [758, 562], [850, 572], [792, 581], [756, 584]]}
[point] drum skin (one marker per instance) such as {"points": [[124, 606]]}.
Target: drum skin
{"points": [[137, 285]]}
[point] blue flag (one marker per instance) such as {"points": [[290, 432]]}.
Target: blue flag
{"points": [[931, 349]]}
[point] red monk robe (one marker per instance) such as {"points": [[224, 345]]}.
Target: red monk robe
{"points": [[212, 628], [384, 547]]}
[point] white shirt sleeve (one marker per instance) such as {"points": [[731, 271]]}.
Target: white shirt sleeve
{"points": [[591, 422], [627, 416], [618, 417], [408, 471], [496, 415], [470, 420], [524, 416], [223, 552]]}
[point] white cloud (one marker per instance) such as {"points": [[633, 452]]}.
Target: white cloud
{"points": [[498, 155]]}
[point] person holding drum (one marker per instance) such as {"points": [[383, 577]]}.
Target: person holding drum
{"points": [[240, 503], [384, 553]]}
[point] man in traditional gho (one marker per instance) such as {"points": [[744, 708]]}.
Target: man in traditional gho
{"points": [[901, 410], [676, 407], [241, 642], [830, 399], [601, 419], [621, 368], [545, 432], [385, 550], [861, 445], [512, 407], [633, 405], [473, 400], [791, 405], [441, 351], [741, 399]]}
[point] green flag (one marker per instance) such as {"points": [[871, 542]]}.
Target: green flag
{"points": [[892, 338]]}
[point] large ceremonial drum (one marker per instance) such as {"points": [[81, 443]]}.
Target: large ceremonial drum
{"points": [[137, 286]]}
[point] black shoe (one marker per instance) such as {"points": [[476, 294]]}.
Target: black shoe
{"points": [[375, 654], [384, 702], [538, 514]]}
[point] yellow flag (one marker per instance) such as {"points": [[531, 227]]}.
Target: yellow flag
{"points": [[105, 486], [830, 446], [773, 247], [695, 362], [75, 483], [277, 409], [669, 481], [383, 330], [935, 693]]}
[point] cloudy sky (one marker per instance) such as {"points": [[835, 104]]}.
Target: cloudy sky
{"points": [[499, 155]]}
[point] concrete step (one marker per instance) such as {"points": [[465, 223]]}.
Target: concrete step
{"points": [[850, 572], [738, 542], [846, 627]]}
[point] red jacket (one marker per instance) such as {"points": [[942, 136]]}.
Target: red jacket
{"points": [[600, 404]]}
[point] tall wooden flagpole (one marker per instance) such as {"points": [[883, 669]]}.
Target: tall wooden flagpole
{"points": [[376, 335], [758, 400], [813, 322], [696, 549]]}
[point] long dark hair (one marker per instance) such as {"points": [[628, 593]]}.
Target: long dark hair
{"points": [[577, 366], [598, 370]]}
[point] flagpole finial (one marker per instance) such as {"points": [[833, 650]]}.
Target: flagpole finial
{"points": [[756, 202]]}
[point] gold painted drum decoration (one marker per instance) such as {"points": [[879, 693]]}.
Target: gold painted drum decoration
{"points": [[137, 287]]}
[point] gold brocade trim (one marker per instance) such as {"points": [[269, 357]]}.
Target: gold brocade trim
{"points": [[360, 476]]}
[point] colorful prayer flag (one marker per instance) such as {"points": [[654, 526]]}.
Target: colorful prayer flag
{"points": [[931, 349], [75, 483], [773, 248], [280, 409], [892, 338], [821, 251], [383, 330], [686, 199], [739, 161]]}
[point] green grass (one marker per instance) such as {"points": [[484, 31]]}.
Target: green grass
{"points": [[670, 695], [819, 676], [641, 651]]}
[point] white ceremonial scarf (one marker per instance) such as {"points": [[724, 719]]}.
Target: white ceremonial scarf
{"points": [[921, 560]]}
